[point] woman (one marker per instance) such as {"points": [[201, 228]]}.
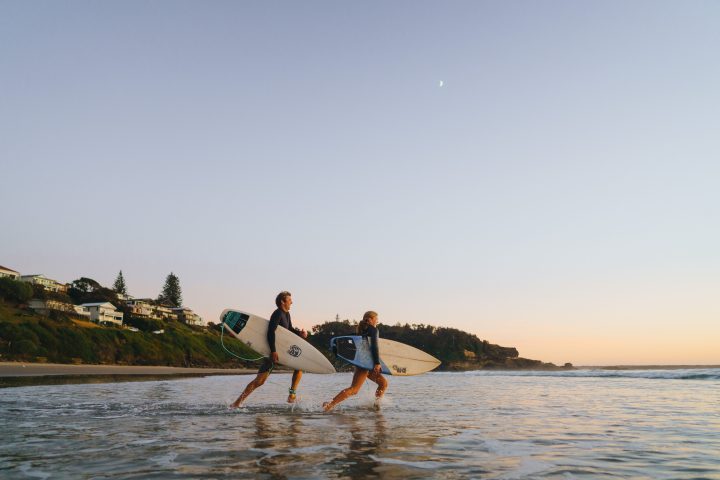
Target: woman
{"points": [[366, 328]]}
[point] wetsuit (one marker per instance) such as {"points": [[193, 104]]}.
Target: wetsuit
{"points": [[279, 318], [373, 335]]}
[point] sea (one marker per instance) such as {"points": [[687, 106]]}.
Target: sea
{"points": [[601, 424]]}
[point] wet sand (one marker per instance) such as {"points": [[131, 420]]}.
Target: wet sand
{"points": [[20, 369]]}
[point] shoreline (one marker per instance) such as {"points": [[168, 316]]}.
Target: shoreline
{"points": [[645, 367], [27, 369]]}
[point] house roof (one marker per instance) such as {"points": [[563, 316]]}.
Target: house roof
{"points": [[97, 304], [9, 269]]}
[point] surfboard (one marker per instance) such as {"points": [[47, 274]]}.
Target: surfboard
{"points": [[396, 358], [293, 351]]}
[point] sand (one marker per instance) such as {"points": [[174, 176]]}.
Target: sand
{"points": [[20, 369]]}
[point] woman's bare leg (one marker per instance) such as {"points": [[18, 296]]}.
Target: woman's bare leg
{"points": [[358, 378], [381, 383]]}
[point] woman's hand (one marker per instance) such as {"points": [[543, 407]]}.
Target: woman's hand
{"points": [[274, 357], [377, 368]]}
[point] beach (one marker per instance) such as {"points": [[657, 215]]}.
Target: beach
{"points": [[24, 369]]}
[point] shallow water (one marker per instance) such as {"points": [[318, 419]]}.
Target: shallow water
{"points": [[580, 424]]}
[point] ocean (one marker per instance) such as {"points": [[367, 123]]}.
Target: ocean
{"points": [[639, 424]]}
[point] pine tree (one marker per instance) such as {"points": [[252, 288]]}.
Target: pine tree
{"points": [[119, 285], [171, 292]]}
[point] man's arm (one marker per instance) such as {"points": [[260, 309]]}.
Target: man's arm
{"points": [[271, 333], [297, 331]]}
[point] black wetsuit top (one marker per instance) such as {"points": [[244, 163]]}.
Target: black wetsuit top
{"points": [[373, 334], [279, 318]]}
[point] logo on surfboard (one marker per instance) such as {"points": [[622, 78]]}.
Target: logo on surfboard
{"points": [[295, 351]]}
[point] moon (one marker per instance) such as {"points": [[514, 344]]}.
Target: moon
{"points": [[440, 84]]}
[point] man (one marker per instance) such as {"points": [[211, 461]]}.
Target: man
{"points": [[280, 317]]}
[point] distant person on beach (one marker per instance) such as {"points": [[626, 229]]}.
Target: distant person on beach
{"points": [[367, 328], [280, 317]]}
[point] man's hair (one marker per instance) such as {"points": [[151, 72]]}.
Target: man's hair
{"points": [[281, 297]]}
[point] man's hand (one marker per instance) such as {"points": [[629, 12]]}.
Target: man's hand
{"points": [[274, 357], [303, 333]]}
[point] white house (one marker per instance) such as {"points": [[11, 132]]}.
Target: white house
{"points": [[164, 313], [104, 312], [186, 315], [46, 283], [6, 272], [82, 312], [142, 307], [44, 306]]}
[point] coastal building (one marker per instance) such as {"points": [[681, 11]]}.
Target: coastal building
{"points": [[82, 312], [7, 272], [45, 306], [164, 312], [187, 316], [47, 283], [104, 312], [142, 307]]}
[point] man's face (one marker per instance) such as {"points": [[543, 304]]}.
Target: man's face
{"points": [[287, 301]]}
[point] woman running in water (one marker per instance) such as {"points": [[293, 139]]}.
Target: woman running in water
{"points": [[366, 328]]}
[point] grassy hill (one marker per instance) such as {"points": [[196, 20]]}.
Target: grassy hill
{"points": [[59, 338]]}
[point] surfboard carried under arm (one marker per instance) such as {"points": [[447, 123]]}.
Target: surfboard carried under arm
{"points": [[293, 351], [395, 358]]}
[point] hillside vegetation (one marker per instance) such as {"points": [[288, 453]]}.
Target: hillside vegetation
{"points": [[61, 338], [456, 349]]}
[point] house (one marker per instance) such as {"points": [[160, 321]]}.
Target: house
{"points": [[164, 312], [47, 283], [104, 312], [82, 312], [6, 272], [142, 307], [45, 306], [186, 315]]}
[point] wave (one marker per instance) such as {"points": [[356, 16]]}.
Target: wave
{"points": [[660, 374]]}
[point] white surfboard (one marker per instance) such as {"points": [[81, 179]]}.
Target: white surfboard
{"points": [[396, 358], [293, 351]]}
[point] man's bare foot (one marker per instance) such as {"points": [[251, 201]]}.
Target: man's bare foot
{"points": [[291, 398], [327, 406], [235, 404]]}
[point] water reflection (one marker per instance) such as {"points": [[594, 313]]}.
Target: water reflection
{"points": [[366, 441]]}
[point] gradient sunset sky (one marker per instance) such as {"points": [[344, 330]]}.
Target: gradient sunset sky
{"points": [[544, 174]]}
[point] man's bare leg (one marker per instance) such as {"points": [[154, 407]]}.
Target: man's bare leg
{"points": [[297, 375], [258, 381]]}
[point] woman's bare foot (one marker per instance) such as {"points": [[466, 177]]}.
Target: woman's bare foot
{"points": [[235, 404], [327, 406]]}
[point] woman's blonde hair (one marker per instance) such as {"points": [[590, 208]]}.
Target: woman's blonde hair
{"points": [[365, 322]]}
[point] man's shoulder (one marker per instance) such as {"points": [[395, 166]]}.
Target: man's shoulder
{"points": [[276, 315]]}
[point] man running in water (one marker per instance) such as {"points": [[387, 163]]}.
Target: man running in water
{"points": [[280, 317]]}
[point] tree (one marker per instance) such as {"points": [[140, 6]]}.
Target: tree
{"points": [[15, 290], [119, 285], [171, 292]]}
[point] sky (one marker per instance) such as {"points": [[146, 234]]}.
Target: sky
{"points": [[543, 174]]}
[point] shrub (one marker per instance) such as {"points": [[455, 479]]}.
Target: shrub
{"points": [[15, 290]]}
